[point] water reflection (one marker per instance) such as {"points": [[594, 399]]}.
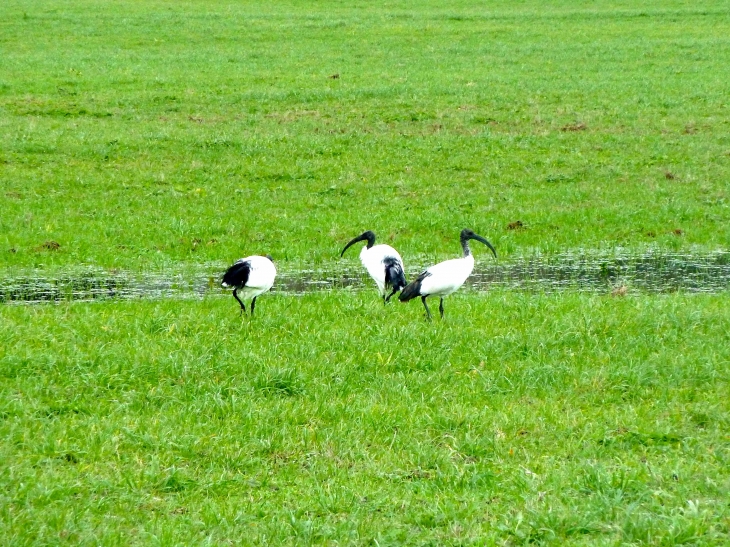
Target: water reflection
{"points": [[646, 273]]}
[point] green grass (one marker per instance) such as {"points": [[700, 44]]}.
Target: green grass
{"points": [[176, 136], [146, 134], [525, 419]]}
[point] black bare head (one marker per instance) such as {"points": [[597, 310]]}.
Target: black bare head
{"points": [[467, 234], [365, 236]]}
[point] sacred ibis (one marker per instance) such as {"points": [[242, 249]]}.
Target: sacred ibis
{"points": [[252, 276], [383, 263], [446, 277]]}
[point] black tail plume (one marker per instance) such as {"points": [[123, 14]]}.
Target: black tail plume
{"points": [[237, 275], [413, 289], [394, 276]]}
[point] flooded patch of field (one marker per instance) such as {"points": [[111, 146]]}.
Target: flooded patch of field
{"points": [[645, 273]]}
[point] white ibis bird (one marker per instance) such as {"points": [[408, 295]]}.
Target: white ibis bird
{"points": [[383, 263], [446, 277], [252, 276]]}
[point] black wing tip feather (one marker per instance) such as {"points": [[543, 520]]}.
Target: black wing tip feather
{"points": [[394, 276], [237, 275], [413, 289]]}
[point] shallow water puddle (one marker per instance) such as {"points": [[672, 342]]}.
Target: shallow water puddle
{"points": [[646, 273]]}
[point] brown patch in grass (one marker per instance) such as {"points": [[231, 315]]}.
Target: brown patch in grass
{"points": [[334, 77], [578, 126], [50, 246], [689, 129], [678, 232], [516, 225], [669, 175], [418, 474], [620, 291], [651, 234]]}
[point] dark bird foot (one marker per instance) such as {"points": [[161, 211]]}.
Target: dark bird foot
{"points": [[387, 298], [428, 312]]}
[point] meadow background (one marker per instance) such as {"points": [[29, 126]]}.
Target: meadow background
{"points": [[150, 135]]}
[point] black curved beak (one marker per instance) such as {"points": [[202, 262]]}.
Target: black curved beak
{"points": [[362, 237], [480, 238]]}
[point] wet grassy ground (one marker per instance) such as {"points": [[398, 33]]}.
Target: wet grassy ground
{"points": [[649, 273], [146, 134], [157, 136], [560, 419]]}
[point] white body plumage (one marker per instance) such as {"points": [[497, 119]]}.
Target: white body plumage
{"points": [[447, 277], [374, 260], [250, 277], [383, 263]]}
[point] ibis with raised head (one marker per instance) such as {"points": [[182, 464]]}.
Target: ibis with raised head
{"points": [[383, 263], [444, 278], [253, 276]]}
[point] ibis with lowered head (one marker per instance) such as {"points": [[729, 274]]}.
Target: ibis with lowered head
{"points": [[383, 263], [444, 278], [253, 276]]}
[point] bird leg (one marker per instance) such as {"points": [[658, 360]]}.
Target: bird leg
{"points": [[253, 305], [428, 312], [441, 308], [391, 294], [243, 308]]}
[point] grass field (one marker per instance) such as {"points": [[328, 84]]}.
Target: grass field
{"points": [[563, 419], [139, 134], [173, 136]]}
